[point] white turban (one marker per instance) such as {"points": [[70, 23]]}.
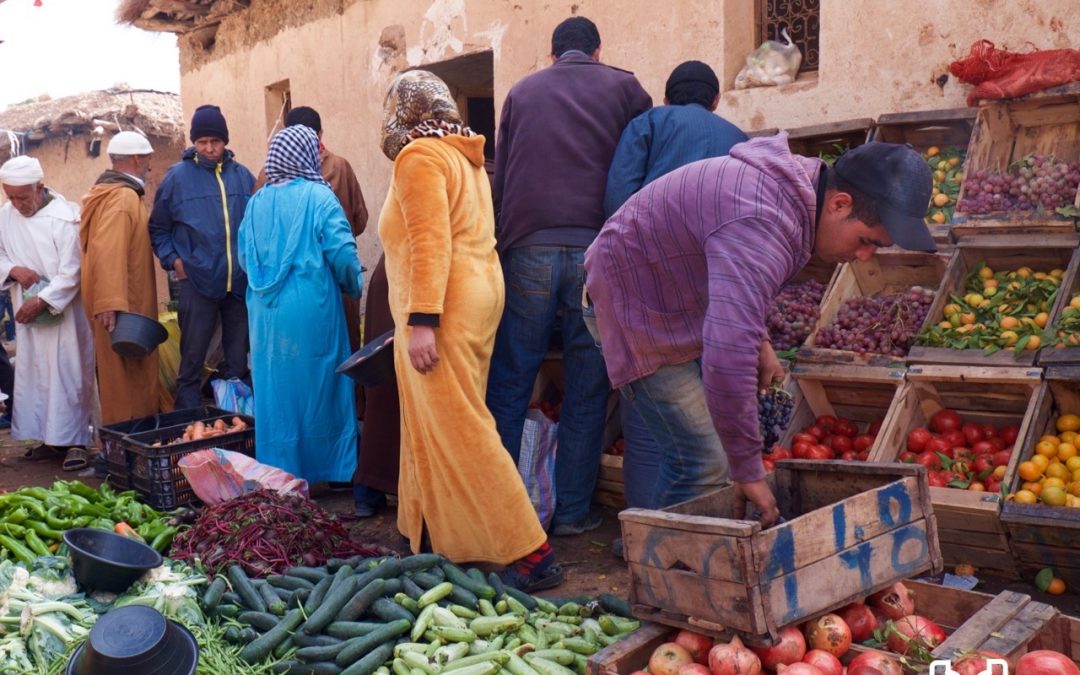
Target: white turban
{"points": [[21, 170]]}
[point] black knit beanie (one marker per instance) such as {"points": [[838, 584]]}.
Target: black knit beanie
{"points": [[208, 122], [690, 76]]}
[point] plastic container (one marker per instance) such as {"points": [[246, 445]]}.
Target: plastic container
{"points": [[105, 561], [373, 363], [136, 640], [136, 336]]}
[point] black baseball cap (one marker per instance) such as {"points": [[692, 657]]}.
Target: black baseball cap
{"points": [[900, 180]]}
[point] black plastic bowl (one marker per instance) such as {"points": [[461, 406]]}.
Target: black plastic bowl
{"points": [[105, 561], [135, 335], [135, 640], [373, 363]]}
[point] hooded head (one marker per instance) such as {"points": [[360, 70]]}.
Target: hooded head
{"points": [[415, 97]]}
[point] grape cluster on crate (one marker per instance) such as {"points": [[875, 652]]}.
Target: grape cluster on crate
{"points": [[885, 324], [794, 314], [774, 413], [1034, 183]]}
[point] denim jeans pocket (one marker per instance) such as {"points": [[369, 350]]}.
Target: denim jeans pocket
{"points": [[627, 392], [529, 277]]}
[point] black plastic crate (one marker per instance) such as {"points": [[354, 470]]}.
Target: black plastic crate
{"points": [[112, 435], [154, 470]]}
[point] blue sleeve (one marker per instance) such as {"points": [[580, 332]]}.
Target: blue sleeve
{"points": [[339, 246], [502, 154], [161, 224], [629, 165]]}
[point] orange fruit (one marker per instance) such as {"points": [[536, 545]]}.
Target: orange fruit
{"points": [[1066, 451], [1029, 471], [1056, 587], [1048, 483], [986, 273], [1040, 461], [1073, 463], [1068, 422], [1058, 470], [1025, 497], [1050, 438], [999, 472], [1073, 488], [1009, 322], [1054, 496], [1034, 342], [938, 217], [1046, 449], [1068, 437], [1032, 487]]}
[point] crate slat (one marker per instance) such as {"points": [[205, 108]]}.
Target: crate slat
{"points": [[631, 653]]}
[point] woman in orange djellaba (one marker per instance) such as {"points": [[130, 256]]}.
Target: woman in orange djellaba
{"points": [[458, 485]]}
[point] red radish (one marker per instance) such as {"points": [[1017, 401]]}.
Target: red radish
{"points": [[668, 658], [874, 663], [974, 663], [860, 619], [824, 661], [733, 659], [693, 669], [789, 649], [1045, 662], [944, 421], [799, 669], [912, 631], [895, 602], [697, 644], [829, 633]]}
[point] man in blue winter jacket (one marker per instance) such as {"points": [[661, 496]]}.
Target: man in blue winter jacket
{"points": [[197, 211]]}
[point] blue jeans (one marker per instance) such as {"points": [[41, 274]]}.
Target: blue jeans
{"points": [[541, 280], [671, 402]]}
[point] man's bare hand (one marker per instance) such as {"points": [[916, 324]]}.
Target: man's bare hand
{"points": [[30, 310], [24, 276], [178, 267], [761, 496], [769, 368], [422, 352], [107, 321]]}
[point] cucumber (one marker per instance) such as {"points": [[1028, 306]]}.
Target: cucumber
{"points": [[616, 605], [426, 580], [370, 663], [334, 564], [289, 583], [420, 562], [302, 640], [388, 610], [312, 574], [297, 668], [339, 593], [357, 647], [284, 594], [392, 587], [243, 587], [248, 635], [317, 594], [227, 611], [351, 629], [260, 620], [461, 579], [361, 600], [321, 653], [387, 569], [524, 598], [460, 595], [299, 597], [497, 583], [274, 604], [409, 588], [260, 649], [213, 594], [476, 575], [231, 598]]}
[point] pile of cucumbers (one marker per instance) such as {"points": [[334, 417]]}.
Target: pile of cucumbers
{"points": [[420, 615]]}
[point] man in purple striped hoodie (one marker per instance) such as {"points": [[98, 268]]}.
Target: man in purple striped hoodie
{"points": [[681, 279]]}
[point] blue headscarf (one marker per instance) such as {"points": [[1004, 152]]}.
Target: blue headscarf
{"points": [[294, 153]]}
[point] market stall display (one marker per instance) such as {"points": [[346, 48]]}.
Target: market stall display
{"points": [[828, 140], [1062, 337]]}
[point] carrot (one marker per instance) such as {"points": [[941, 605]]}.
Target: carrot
{"points": [[126, 530]]}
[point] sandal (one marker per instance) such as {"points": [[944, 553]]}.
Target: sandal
{"points": [[76, 459], [531, 583], [39, 452]]}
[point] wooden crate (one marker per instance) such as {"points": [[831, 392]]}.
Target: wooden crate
{"points": [[852, 529], [969, 528], [858, 393], [610, 490], [1001, 252], [1041, 535], [631, 654], [817, 270], [1063, 356], [1046, 123], [828, 139], [889, 271]]}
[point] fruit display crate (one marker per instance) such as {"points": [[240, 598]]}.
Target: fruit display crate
{"points": [[927, 130], [1068, 354], [829, 139], [632, 653], [889, 271], [1046, 123], [851, 528], [860, 394], [815, 270], [610, 489], [1042, 535], [1000, 253], [968, 523]]}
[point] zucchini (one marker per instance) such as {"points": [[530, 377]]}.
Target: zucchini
{"points": [[496, 582], [388, 610], [289, 583], [419, 663], [302, 640], [493, 657], [213, 594], [243, 587], [339, 593], [524, 598], [461, 579], [545, 605], [358, 647], [452, 634], [463, 612], [420, 562], [387, 569], [312, 574], [371, 662], [423, 621], [361, 600], [351, 629], [546, 667], [460, 595], [476, 575], [322, 652], [400, 667], [487, 609], [580, 646], [426, 580], [486, 626], [392, 587], [435, 594], [260, 649], [260, 620], [408, 603], [518, 666], [409, 588], [317, 594], [227, 611], [615, 605]]}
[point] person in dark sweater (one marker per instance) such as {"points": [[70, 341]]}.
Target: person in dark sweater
{"points": [[557, 134]]}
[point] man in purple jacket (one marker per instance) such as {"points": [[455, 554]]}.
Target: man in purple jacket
{"points": [[557, 133], [682, 276]]}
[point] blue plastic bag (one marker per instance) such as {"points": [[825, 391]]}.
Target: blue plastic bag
{"points": [[234, 395]]}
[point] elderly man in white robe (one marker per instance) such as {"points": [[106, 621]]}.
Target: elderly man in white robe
{"points": [[39, 261]]}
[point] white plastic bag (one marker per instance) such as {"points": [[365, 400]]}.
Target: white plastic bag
{"points": [[536, 463], [233, 395], [772, 64], [46, 318]]}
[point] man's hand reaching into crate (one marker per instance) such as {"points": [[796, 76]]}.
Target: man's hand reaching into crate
{"points": [[758, 493]]}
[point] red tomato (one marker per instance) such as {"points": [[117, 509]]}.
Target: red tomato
{"points": [[801, 449], [945, 420], [864, 455], [827, 441], [993, 485], [929, 460], [862, 442], [983, 447], [820, 452], [849, 456], [981, 465], [963, 454], [1009, 434], [816, 431], [998, 443], [990, 431], [973, 432], [917, 439], [1001, 457], [841, 443], [875, 427], [936, 479], [804, 437], [768, 464], [954, 438], [779, 453], [826, 422], [846, 428], [938, 445], [908, 457]]}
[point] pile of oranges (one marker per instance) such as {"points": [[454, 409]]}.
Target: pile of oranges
{"points": [[1052, 475]]}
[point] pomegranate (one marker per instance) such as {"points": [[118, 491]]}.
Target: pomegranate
{"points": [[860, 619], [974, 663], [945, 421], [733, 659], [895, 602], [914, 630], [1045, 662], [693, 669], [668, 658], [789, 649], [874, 663], [824, 661], [799, 669], [829, 633], [697, 644]]}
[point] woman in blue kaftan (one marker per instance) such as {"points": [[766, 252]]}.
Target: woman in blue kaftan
{"points": [[299, 254]]}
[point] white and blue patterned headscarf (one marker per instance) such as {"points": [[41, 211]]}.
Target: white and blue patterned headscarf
{"points": [[294, 153]]}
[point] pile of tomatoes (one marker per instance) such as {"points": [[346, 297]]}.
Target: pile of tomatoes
{"points": [[961, 455], [829, 437]]}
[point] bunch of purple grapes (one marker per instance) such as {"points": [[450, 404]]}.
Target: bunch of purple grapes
{"points": [[794, 314], [1034, 183], [886, 324]]}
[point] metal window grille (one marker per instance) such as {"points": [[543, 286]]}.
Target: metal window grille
{"points": [[802, 18]]}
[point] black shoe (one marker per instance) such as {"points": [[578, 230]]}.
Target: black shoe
{"points": [[339, 486], [369, 508], [586, 524]]}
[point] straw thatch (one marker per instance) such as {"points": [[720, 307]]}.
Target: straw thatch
{"points": [[177, 16]]}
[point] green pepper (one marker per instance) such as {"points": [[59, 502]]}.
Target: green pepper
{"points": [[34, 506], [17, 516], [34, 543], [102, 524], [44, 530], [55, 521], [162, 542], [151, 529], [106, 492], [14, 530], [84, 490], [38, 493], [82, 521], [17, 549], [94, 510]]}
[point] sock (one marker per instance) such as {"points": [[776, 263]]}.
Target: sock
{"points": [[537, 562]]}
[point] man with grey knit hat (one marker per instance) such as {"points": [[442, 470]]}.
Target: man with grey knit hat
{"points": [[197, 210]]}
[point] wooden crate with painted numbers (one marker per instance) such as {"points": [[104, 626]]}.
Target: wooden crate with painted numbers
{"points": [[632, 653], [1000, 253], [968, 522], [851, 528], [831, 139], [889, 271], [1041, 535]]}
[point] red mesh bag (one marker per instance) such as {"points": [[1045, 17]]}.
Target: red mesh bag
{"points": [[999, 73]]}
